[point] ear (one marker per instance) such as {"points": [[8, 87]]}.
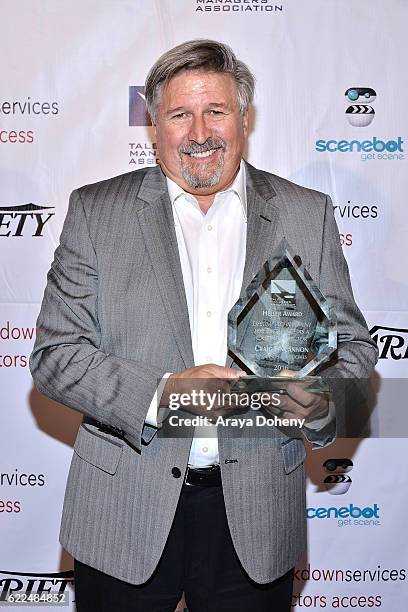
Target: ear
{"points": [[245, 122]]}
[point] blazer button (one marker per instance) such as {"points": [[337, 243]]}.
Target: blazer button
{"points": [[176, 472]]}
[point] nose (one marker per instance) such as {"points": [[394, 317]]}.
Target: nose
{"points": [[199, 130]]}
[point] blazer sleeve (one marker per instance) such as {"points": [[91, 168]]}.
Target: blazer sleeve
{"points": [[348, 374], [67, 364]]}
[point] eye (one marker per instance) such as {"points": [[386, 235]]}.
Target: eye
{"points": [[216, 112]]}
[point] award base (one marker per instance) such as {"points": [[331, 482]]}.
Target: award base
{"points": [[278, 384]]}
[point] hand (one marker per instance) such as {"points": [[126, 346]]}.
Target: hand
{"points": [[204, 385], [300, 404]]}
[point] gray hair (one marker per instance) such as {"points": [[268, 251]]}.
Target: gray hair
{"points": [[199, 54]]}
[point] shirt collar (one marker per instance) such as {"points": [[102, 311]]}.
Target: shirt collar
{"points": [[238, 187]]}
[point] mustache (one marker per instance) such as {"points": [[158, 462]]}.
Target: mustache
{"points": [[208, 145]]}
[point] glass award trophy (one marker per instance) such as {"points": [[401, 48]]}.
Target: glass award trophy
{"points": [[282, 322]]}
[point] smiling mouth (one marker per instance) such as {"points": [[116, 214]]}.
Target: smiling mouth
{"points": [[204, 153]]}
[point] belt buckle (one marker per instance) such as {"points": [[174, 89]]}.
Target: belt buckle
{"points": [[207, 471]]}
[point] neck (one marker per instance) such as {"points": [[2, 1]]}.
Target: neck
{"points": [[205, 201]]}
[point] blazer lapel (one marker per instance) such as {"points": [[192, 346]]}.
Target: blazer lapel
{"points": [[262, 222], [157, 225], [263, 218]]}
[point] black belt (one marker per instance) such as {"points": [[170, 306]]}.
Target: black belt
{"points": [[204, 477]]}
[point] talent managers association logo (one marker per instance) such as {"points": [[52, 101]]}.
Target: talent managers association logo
{"points": [[360, 113], [138, 115], [238, 6], [141, 153]]}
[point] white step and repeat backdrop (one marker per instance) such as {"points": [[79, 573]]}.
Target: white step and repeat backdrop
{"points": [[330, 113]]}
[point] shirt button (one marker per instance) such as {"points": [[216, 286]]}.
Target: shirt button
{"points": [[176, 472], [209, 270], [209, 358], [209, 313], [205, 449], [209, 227]]}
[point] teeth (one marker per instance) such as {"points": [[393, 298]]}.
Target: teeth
{"points": [[204, 153]]}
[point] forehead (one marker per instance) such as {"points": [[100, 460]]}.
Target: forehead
{"points": [[195, 86]]}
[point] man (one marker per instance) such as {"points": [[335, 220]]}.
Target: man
{"points": [[148, 266]]}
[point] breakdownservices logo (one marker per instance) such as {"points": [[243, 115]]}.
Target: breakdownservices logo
{"points": [[31, 108]]}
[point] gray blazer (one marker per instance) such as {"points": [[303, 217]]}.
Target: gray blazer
{"points": [[114, 319]]}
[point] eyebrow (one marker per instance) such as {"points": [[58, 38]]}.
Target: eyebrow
{"points": [[175, 110], [183, 108]]}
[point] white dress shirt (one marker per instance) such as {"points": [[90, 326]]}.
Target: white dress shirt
{"points": [[212, 250]]}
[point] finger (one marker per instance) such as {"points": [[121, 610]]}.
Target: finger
{"points": [[289, 415], [235, 373], [223, 372], [289, 373], [290, 406], [319, 411], [302, 396]]}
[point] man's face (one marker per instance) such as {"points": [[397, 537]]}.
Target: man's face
{"points": [[200, 132]]}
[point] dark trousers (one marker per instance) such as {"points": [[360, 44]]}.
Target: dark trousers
{"points": [[199, 559]]}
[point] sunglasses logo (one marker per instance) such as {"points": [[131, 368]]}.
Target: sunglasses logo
{"points": [[360, 113], [337, 482]]}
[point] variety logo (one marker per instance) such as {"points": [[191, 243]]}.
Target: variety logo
{"points": [[34, 583], [138, 114], [360, 114], [337, 482], [237, 6], [392, 342], [15, 221]]}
